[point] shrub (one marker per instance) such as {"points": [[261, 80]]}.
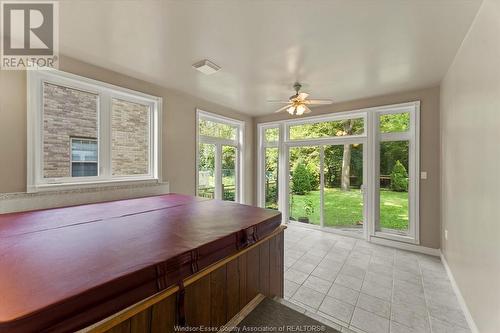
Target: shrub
{"points": [[308, 207], [229, 195], [312, 168], [272, 193], [301, 179], [399, 178]]}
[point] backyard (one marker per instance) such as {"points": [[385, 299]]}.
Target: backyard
{"points": [[338, 168], [345, 208]]}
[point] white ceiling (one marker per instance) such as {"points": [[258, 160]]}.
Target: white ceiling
{"points": [[339, 49]]}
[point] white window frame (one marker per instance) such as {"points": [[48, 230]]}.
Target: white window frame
{"points": [[370, 139], [261, 162], [238, 143], [105, 92], [413, 138]]}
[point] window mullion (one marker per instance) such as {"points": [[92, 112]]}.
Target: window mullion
{"points": [[322, 186], [105, 136], [218, 171]]}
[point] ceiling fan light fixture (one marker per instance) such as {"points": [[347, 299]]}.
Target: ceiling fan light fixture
{"points": [[298, 104], [300, 110]]}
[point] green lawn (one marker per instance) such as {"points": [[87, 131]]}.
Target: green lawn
{"points": [[344, 209]]}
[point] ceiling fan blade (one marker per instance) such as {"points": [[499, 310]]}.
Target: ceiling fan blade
{"points": [[278, 101], [307, 110], [318, 101], [302, 96], [282, 109]]}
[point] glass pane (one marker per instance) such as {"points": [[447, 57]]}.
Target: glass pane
{"points": [[343, 199], [304, 185], [130, 138], [67, 113], [271, 178], [80, 169], [397, 122], [394, 186], [272, 134], [206, 171], [327, 129], [83, 150], [228, 173], [218, 130]]}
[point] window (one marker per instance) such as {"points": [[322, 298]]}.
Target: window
{"points": [[67, 113], [324, 129], [393, 186], [217, 130], [396, 169], [130, 138], [84, 131], [269, 170], [394, 122], [83, 157], [218, 157], [271, 177], [272, 134]]}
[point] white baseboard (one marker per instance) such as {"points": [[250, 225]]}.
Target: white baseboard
{"points": [[461, 300], [406, 246]]}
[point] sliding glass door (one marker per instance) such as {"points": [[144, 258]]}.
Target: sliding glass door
{"points": [[343, 187], [326, 186]]}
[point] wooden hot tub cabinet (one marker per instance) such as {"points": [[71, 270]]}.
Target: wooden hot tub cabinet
{"points": [[212, 297]]}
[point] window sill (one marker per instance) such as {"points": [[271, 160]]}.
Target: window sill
{"points": [[395, 237], [90, 185], [63, 196]]}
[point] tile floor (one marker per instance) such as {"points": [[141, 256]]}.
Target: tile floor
{"points": [[357, 286]]}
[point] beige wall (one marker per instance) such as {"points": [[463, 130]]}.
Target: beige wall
{"points": [[429, 150], [470, 121], [179, 130]]}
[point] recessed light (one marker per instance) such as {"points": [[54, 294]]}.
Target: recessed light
{"points": [[206, 67]]}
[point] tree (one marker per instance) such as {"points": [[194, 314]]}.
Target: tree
{"points": [[398, 122], [333, 165], [345, 184], [301, 179], [399, 178]]}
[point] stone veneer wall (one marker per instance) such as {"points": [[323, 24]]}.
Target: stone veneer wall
{"points": [[130, 138], [67, 113]]}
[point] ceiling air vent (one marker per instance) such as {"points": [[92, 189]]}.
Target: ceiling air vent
{"points": [[206, 67]]}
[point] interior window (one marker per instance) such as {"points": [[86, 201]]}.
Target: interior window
{"points": [[84, 157], [67, 113], [130, 130], [88, 132]]}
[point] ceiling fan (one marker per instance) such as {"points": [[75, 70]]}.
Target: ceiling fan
{"points": [[298, 104]]}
